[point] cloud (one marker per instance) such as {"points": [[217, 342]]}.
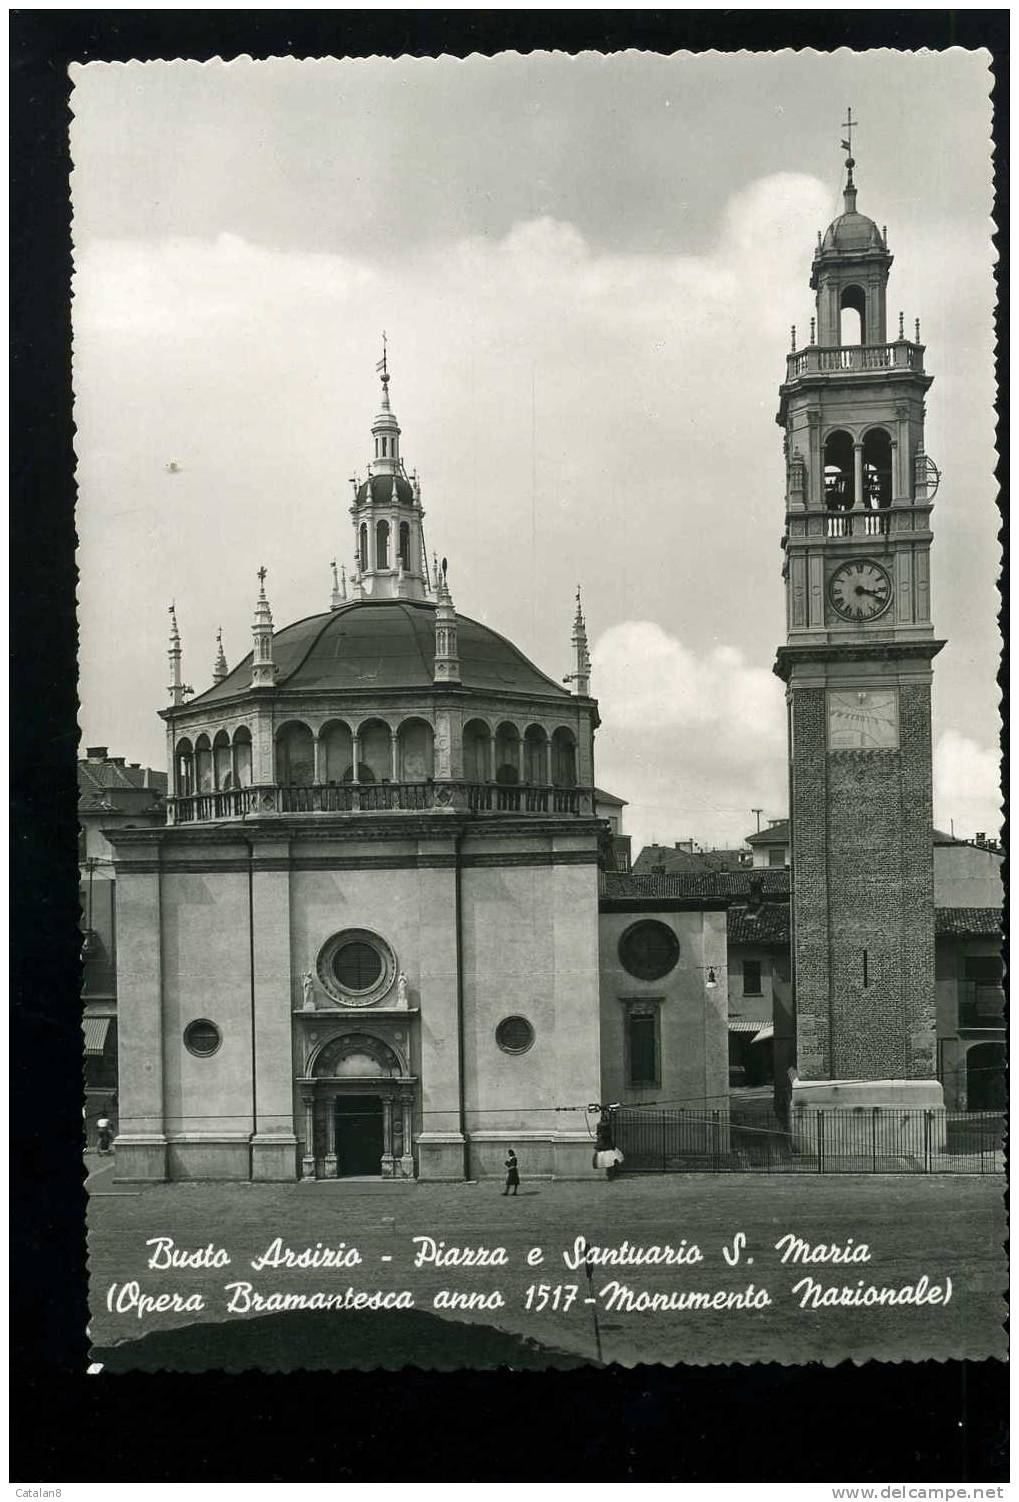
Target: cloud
{"points": [[693, 740], [576, 413], [967, 785]]}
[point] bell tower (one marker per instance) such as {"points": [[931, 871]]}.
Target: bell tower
{"points": [[857, 666]]}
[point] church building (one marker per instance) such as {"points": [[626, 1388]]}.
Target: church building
{"points": [[366, 940]]}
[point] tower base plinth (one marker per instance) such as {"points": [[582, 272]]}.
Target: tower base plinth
{"points": [[867, 1119]]}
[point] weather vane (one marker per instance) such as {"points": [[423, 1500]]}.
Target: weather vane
{"points": [[382, 368]]}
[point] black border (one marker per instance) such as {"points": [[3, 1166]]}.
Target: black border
{"points": [[926, 1422]]}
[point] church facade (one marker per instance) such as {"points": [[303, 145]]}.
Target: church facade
{"points": [[366, 941]]}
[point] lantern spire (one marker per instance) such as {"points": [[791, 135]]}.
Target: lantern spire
{"points": [[219, 668], [579, 678], [263, 669], [177, 688], [447, 657]]}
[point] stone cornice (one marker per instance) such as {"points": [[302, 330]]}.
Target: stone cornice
{"points": [[664, 904], [817, 655], [343, 701], [431, 861]]}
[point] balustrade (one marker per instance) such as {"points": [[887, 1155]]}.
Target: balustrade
{"points": [[819, 359], [380, 797], [858, 523]]}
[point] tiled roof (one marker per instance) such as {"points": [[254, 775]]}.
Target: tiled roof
{"points": [[106, 784], [688, 860], [775, 834], [968, 922], [768, 924], [696, 884]]}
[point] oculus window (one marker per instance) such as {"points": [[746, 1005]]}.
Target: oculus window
{"points": [[648, 950], [514, 1035], [202, 1038]]}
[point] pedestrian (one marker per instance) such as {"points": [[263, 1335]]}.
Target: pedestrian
{"points": [[606, 1153], [105, 1131], [512, 1173]]}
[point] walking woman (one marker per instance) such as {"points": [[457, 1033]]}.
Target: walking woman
{"points": [[512, 1173]]}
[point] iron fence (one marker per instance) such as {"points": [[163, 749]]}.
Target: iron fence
{"points": [[865, 1140]]}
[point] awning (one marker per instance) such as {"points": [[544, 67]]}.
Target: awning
{"points": [[745, 1024], [96, 1029], [767, 1031]]}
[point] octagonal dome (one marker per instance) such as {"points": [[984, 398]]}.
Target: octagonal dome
{"points": [[385, 644], [382, 490]]}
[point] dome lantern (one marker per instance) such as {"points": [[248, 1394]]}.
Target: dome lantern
{"points": [[387, 514]]}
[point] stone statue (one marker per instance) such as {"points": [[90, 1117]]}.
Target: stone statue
{"points": [[308, 984], [401, 990]]}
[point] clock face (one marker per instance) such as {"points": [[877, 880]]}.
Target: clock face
{"points": [[860, 590], [863, 719]]}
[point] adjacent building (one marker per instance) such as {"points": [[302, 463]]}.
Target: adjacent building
{"points": [[112, 794]]}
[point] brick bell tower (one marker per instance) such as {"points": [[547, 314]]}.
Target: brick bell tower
{"points": [[857, 665]]}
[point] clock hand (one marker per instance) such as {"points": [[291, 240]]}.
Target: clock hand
{"points": [[877, 593]]}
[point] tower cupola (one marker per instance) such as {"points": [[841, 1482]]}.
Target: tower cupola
{"points": [[850, 270]]}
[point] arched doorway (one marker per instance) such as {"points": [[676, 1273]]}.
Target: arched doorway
{"points": [[358, 1108]]}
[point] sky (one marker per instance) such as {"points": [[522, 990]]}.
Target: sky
{"points": [[587, 268]]}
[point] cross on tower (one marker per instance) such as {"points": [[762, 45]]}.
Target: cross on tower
{"points": [[847, 144], [261, 574]]}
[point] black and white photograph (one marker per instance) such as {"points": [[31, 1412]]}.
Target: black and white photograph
{"points": [[537, 603], [537, 544]]}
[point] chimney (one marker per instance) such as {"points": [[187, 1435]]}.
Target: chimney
{"points": [[96, 753], [116, 761]]}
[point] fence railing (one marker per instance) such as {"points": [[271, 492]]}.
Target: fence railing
{"points": [[379, 797], [867, 1140]]}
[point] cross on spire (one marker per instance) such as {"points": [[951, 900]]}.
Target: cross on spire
{"points": [[261, 575], [847, 147], [848, 123]]}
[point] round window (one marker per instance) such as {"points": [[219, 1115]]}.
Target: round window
{"points": [[649, 950], [356, 968], [202, 1038], [357, 965], [514, 1035]]}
